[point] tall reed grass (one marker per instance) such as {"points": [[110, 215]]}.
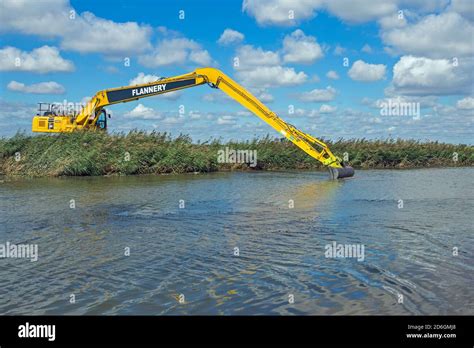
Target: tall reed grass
{"points": [[98, 153]]}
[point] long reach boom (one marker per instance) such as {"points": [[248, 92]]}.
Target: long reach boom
{"points": [[93, 115]]}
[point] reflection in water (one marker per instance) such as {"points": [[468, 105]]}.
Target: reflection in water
{"points": [[193, 251]]}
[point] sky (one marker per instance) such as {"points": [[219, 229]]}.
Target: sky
{"points": [[335, 69]]}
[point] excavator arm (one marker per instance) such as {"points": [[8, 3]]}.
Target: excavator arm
{"points": [[89, 115]]}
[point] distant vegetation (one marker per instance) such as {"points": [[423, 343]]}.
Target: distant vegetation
{"points": [[97, 153]]}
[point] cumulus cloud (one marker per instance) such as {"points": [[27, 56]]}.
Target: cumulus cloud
{"points": [[362, 71], [194, 115], [327, 109], [141, 78], [262, 69], [173, 120], [434, 36], [44, 59], [16, 110], [49, 87], [466, 103], [425, 76], [300, 48], [319, 95], [84, 32], [360, 11], [176, 51], [230, 37], [280, 12], [226, 120], [392, 21], [251, 57], [217, 97], [143, 112], [262, 95], [290, 13], [464, 7], [271, 76]]}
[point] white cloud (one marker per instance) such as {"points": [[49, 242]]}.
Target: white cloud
{"points": [[217, 97], [359, 11], [393, 21], [44, 59], [362, 71], [277, 12], [300, 48], [200, 57], [331, 74], [251, 57], [93, 34], [466, 103], [84, 32], [271, 76], [194, 115], [226, 120], [141, 78], [319, 95], [262, 95], [423, 6], [258, 68], [50, 87], [464, 7], [176, 51], [425, 76], [434, 36], [143, 112], [327, 109], [230, 37], [172, 120], [17, 110]]}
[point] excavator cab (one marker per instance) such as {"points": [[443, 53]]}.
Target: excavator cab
{"points": [[101, 123], [46, 109]]}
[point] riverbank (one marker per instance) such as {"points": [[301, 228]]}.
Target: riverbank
{"points": [[94, 153]]}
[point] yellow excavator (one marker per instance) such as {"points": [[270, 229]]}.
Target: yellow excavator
{"points": [[93, 116]]}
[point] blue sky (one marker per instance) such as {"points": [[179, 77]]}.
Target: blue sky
{"points": [[328, 67]]}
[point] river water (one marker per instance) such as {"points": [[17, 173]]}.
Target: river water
{"points": [[241, 243]]}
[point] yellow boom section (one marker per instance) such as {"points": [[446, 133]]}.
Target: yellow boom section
{"points": [[312, 146], [89, 115]]}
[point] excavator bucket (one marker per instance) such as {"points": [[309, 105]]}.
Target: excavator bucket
{"points": [[339, 173]]}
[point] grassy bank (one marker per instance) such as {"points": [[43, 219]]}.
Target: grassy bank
{"points": [[92, 153]]}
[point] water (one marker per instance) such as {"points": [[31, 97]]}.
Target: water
{"points": [[190, 251]]}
